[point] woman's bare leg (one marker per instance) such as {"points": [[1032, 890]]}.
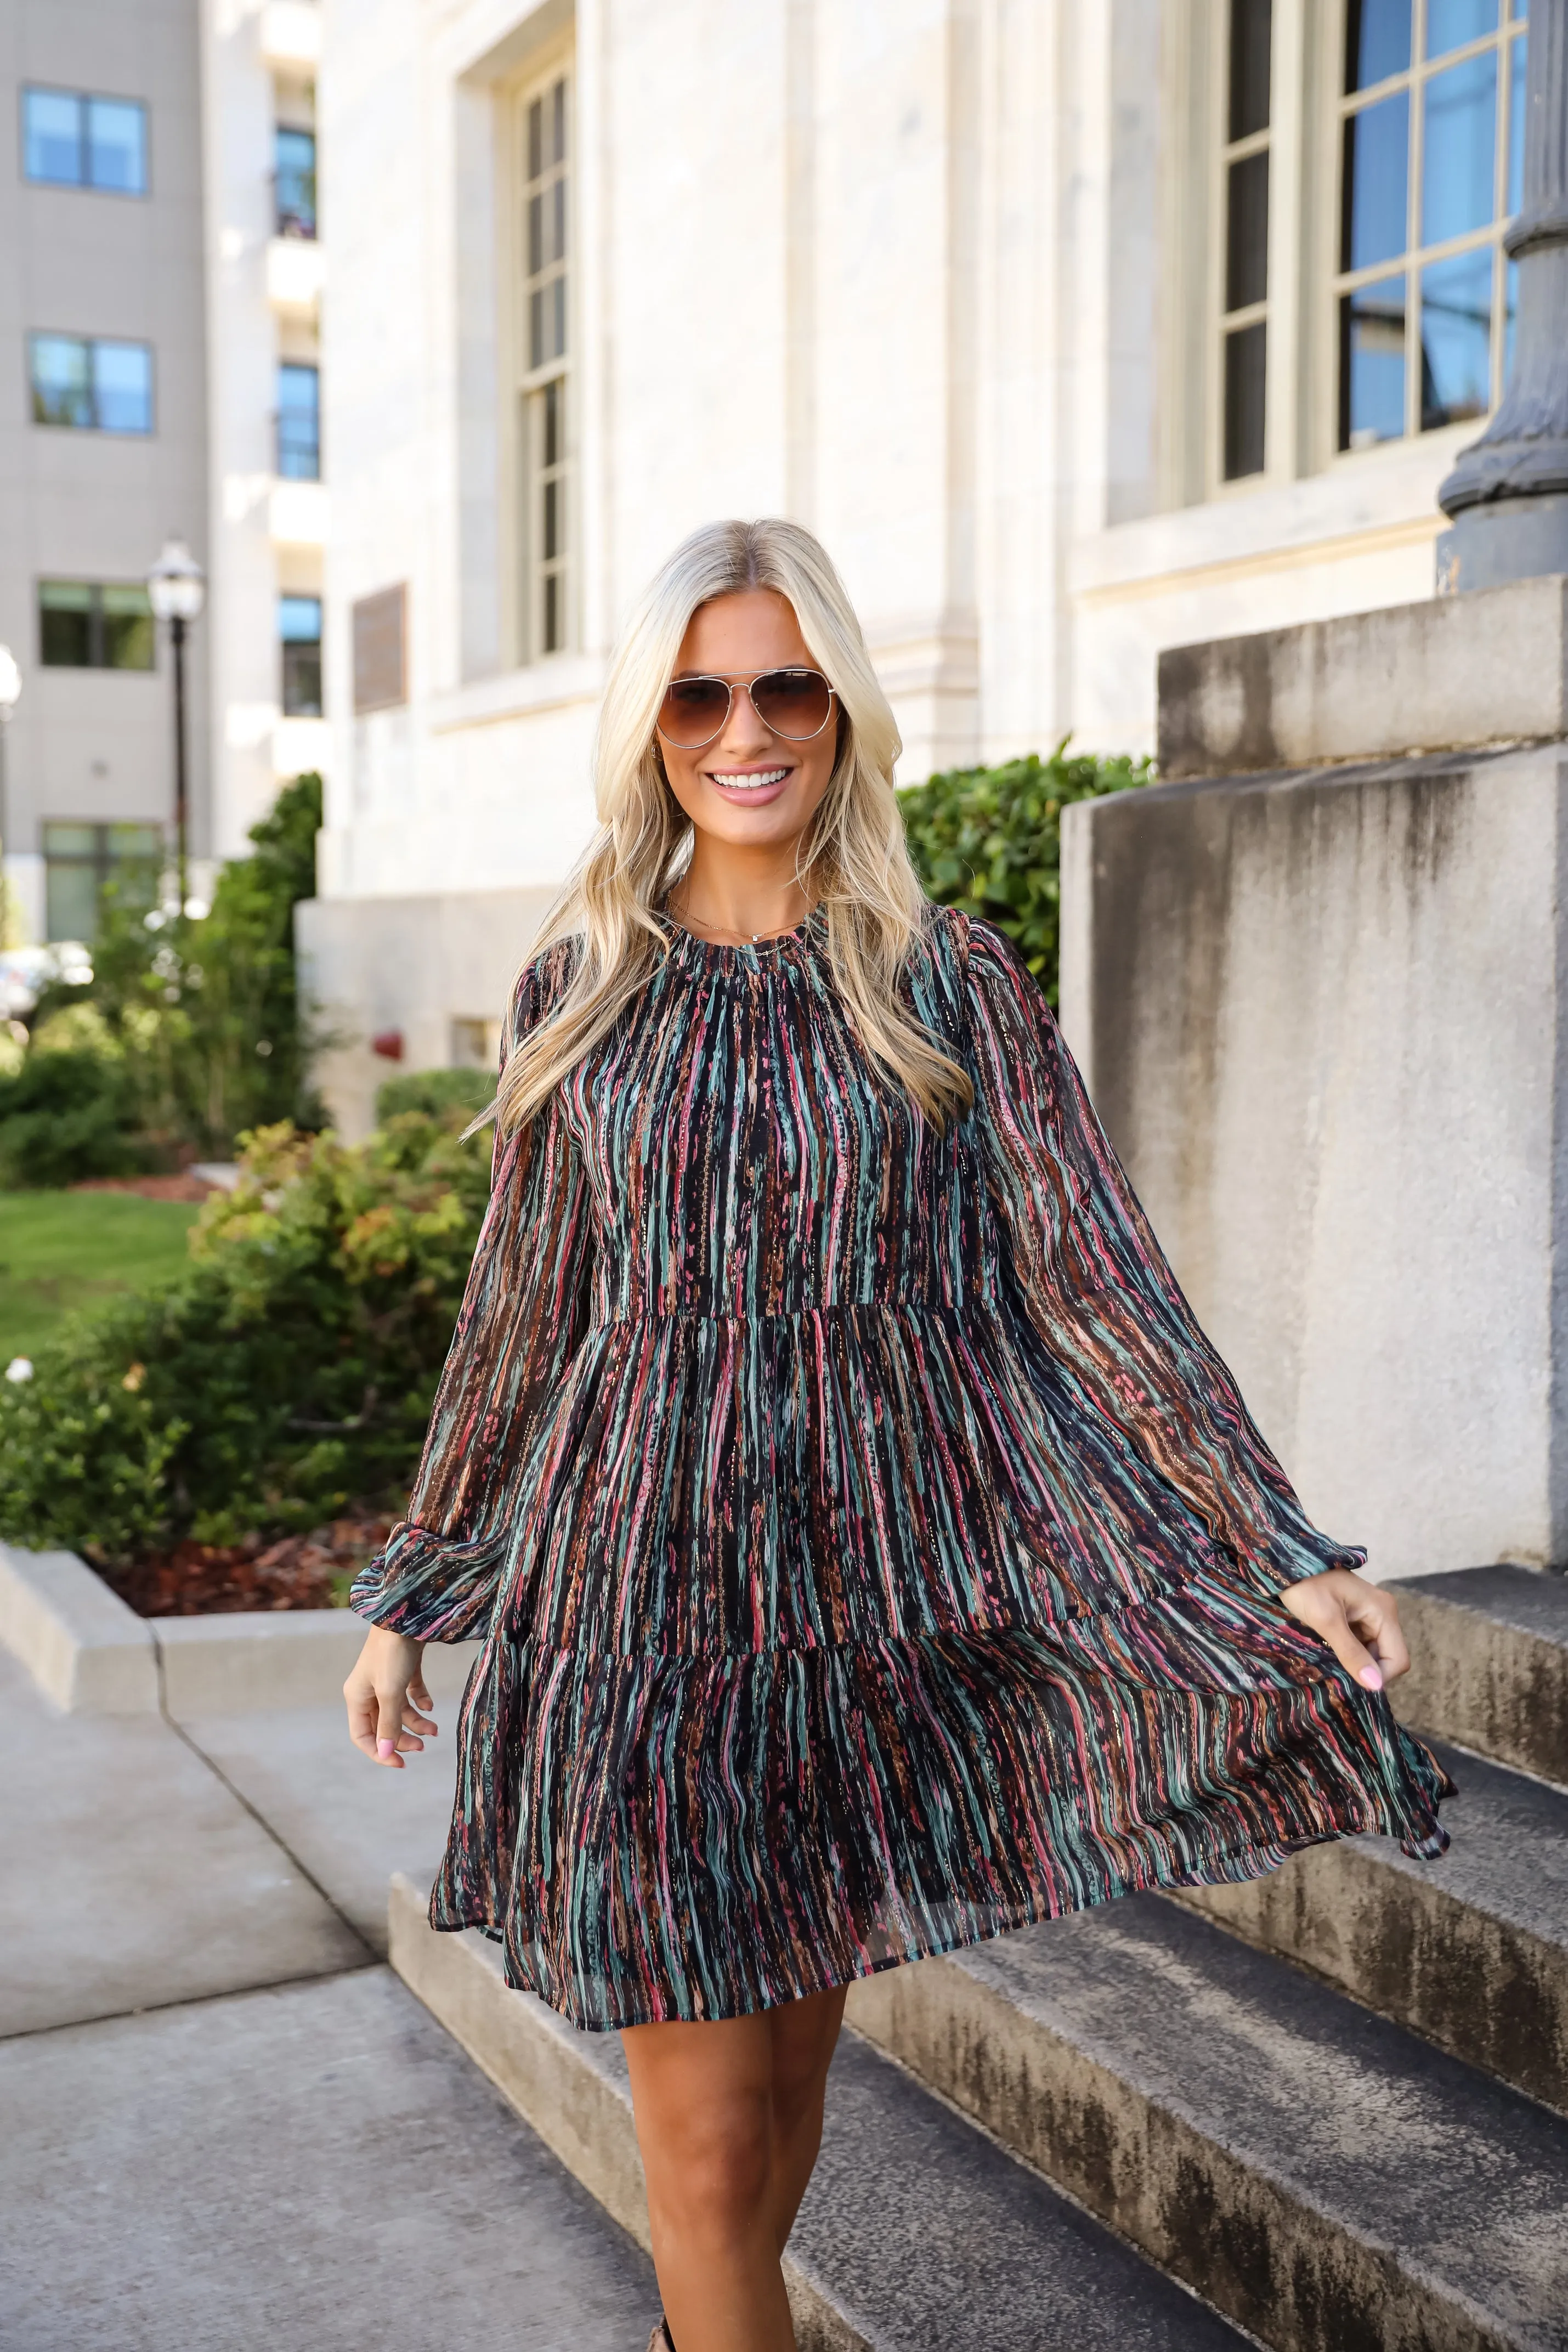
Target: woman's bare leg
{"points": [[729, 2118]]}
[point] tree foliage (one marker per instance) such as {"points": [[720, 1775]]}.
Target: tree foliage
{"points": [[990, 840]]}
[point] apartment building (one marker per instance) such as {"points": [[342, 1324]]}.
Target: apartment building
{"points": [[160, 285]]}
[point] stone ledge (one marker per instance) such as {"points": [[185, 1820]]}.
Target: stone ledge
{"points": [[1457, 673], [91, 1654]]}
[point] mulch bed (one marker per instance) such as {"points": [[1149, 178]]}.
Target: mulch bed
{"points": [[184, 1187], [295, 1572]]}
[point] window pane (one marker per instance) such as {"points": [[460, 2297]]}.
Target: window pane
{"points": [[557, 239], [1246, 233], [1374, 196], [51, 136], [123, 387], [116, 145], [551, 516], [298, 423], [552, 423], [301, 681], [1250, 25], [558, 123], [537, 326], [299, 620], [558, 294], [293, 167], [1516, 129], [1377, 41], [135, 844], [71, 894], [62, 380], [1372, 364], [128, 638], [1246, 355], [65, 624], [536, 139], [536, 234], [1461, 136], [70, 841], [1510, 312], [1456, 338], [1451, 23], [552, 630]]}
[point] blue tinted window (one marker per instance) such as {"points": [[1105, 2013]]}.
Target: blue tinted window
{"points": [[51, 137], [1456, 338], [298, 423], [299, 620], [1516, 129], [294, 175], [1376, 171], [1460, 156], [61, 369], [78, 142], [1451, 23], [116, 145], [299, 628], [1372, 364], [1377, 41], [123, 387]]}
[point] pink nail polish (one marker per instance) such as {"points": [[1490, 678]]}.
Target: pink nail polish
{"points": [[383, 1748], [1372, 1677]]}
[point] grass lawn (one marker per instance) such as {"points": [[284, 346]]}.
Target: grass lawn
{"points": [[60, 1251]]}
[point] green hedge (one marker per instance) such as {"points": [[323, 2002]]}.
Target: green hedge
{"points": [[990, 840], [287, 1374]]}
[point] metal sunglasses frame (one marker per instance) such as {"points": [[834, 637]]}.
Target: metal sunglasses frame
{"points": [[711, 677]]}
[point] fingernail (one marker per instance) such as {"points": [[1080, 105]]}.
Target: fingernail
{"points": [[1372, 1677], [383, 1748]]}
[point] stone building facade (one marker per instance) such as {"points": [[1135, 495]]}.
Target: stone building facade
{"points": [[1076, 332]]}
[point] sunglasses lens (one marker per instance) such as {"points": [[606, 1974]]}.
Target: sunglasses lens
{"points": [[693, 711], [793, 702]]}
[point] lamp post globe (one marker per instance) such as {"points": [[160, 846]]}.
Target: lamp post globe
{"points": [[10, 690], [177, 589]]}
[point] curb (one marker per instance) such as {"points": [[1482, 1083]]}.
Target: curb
{"points": [[570, 2088], [91, 1654]]}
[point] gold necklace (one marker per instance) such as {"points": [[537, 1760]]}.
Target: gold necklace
{"points": [[683, 915]]}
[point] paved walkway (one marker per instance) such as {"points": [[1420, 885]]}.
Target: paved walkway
{"points": [[227, 2124]]}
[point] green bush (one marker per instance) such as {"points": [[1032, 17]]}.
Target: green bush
{"points": [[202, 1015], [990, 840], [289, 1372], [436, 1093], [64, 1116]]}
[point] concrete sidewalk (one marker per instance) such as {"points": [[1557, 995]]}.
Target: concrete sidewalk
{"points": [[227, 2124]]}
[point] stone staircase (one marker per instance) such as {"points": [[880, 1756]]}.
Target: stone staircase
{"points": [[1326, 2113]]}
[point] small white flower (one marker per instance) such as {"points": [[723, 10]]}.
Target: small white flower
{"points": [[20, 1368]]}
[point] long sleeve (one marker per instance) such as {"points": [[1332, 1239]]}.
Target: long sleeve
{"points": [[1096, 1287], [523, 1317]]}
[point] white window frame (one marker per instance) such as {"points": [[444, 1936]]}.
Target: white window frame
{"points": [[530, 472]]}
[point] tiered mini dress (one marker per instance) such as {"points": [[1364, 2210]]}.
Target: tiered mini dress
{"points": [[869, 1553]]}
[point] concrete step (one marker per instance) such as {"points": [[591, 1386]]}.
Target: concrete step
{"points": [[1490, 1671], [1329, 2181], [918, 2233], [1471, 1951]]}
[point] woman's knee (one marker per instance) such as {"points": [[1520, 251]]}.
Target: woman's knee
{"points": [[710, 2168]]}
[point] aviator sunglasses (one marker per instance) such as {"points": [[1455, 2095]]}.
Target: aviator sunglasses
{"points": [[794, 703]]}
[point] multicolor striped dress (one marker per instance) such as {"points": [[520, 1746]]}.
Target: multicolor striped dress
{"points": [[869, 1553]]}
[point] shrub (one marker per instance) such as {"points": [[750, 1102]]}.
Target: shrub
{"points": [[436, 1093], [64, 1116], [990, 840], [204, 1014], [287, 1374]]}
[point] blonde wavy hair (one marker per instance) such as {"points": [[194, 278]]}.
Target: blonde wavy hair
{"points": [[853, 861]]}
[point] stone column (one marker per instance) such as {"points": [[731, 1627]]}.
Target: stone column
{"points": [[1507, 498]]}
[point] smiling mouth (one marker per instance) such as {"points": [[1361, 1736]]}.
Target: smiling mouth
{"points": [[757, 781]]}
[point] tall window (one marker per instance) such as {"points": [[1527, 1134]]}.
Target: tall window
{"points": [[294, 181], [299, 633], [86, 382], [298, 422], [80, 862], [545, 419], [1245, 327], [86, 625], [72, 141], [1432, 155]]}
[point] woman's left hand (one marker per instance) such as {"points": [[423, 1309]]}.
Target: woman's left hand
{"points": [[1360, 1623]]}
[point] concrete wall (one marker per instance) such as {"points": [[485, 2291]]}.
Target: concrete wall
{"points": [[1319, 1012], [97, 744]]}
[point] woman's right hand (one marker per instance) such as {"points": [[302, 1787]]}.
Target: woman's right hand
{"points": [[385, 1694]]}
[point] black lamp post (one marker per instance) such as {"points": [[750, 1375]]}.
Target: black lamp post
{"points": [[177, 589], [1507, 498], [10, 689]]}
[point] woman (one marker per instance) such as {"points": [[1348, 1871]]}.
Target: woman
{"points": [[871, 1554]]}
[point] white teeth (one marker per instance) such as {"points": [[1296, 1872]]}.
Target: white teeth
{"points": [[750, 784]]}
